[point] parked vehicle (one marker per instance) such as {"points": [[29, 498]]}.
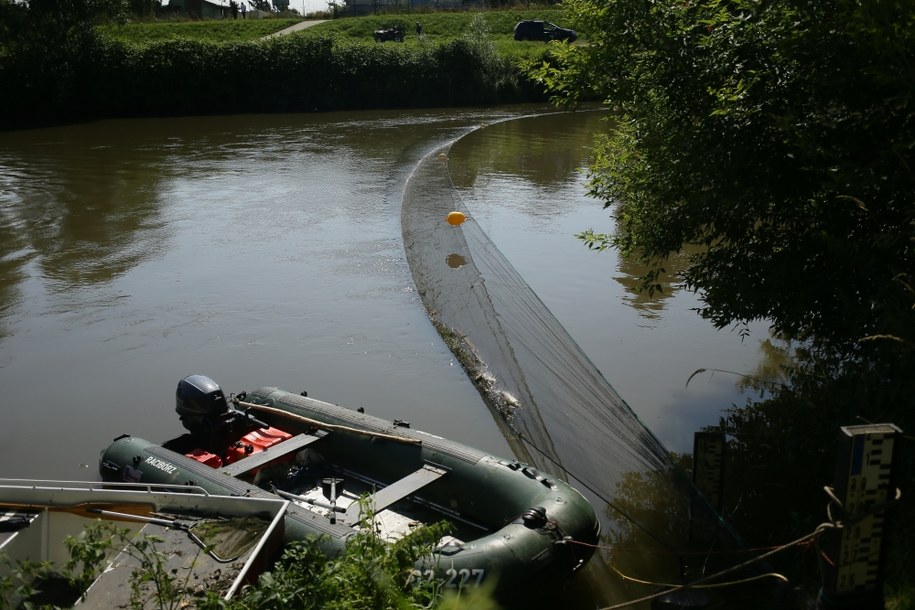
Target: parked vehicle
{"points": [[543, 30], [395, 33]]}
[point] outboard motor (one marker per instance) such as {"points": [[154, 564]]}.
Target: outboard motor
{"points": [[213, 423], [200, 404]]}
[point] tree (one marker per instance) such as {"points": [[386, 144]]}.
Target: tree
{"points": [[778, 137], [54, 29], [50, 46], [71, 12], [145, 8]]}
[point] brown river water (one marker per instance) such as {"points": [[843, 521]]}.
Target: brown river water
{"points": [[268, 250]]}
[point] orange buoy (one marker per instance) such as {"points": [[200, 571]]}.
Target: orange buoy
{"points": [[455, 218]]}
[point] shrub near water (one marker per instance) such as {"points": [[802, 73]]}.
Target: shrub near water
{"points": [[107, 77]]}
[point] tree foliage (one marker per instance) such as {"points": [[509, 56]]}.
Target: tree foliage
{"points": [[49, 18], [777, 135], [50, 44], [145, 8]]}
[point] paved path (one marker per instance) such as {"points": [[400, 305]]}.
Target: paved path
{"points": [[295, 28]]}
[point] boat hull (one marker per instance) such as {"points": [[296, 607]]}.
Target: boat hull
{"points": [[532, 528]]}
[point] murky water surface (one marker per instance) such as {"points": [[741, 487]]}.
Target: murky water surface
{"points": [[525, 182], [267, 250]]}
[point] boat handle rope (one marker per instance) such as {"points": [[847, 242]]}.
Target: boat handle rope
{"points": [[705, 581], [324, 425]]}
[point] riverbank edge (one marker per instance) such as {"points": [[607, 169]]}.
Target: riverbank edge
{"points": [[105, 79]]}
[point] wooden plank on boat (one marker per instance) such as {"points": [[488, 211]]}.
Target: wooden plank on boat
{"points": [[398, 490], [270, 454]]}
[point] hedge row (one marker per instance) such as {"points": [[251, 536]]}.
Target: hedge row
{"points": [[101, 78]]}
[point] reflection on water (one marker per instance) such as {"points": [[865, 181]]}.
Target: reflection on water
{"points": [[455, 261], [267, 250], [555, 407], [646, 346], [87, 222], [543, 390], [546, 150], [650, 304], [260, 250]]}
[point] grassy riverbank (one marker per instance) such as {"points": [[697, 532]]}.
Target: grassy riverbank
{"points": [[216, 31], [228, 67], [437, 28]]}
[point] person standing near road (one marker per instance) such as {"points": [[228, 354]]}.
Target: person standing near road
{"points": [[244, 10]]}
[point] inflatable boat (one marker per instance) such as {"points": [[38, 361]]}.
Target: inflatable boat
{"points": [[511, 525]]}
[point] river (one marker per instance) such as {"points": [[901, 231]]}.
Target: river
{"points": [[267, 250]]}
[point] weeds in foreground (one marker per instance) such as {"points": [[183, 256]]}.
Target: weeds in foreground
{"points": [[18, 585], [88, 552], [900, 597], [150, 581], [30, 584], [369, 573]]}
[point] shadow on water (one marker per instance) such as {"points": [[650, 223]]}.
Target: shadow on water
{"points": [[556, 409]]}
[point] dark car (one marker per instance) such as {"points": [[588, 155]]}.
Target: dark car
{"points": [[543, 30]]}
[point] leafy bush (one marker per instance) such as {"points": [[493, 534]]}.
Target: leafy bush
{"points": [[90, 75], [777, 141], [370, 573], [182, 77]]}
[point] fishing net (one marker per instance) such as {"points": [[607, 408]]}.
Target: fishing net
{"points": [[552, 404]]}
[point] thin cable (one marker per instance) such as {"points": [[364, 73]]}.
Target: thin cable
{"points": [[717, 585], [802, 540], [698, 553]]}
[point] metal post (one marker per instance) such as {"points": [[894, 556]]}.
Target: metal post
{"points": [[329, 489], [708, 474], [855, 555], [708, 466]]}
